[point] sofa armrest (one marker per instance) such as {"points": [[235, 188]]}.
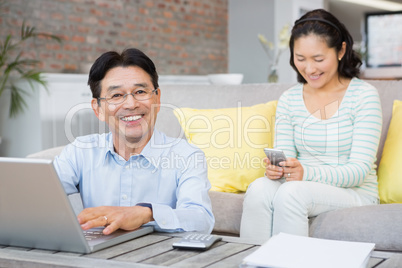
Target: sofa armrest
{"points": [[47, 154], [379, 224]]}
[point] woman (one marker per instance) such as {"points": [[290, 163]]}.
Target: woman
{"points": [[328, 126]]}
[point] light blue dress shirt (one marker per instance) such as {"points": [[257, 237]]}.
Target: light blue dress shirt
{"points": [[169, 173]]}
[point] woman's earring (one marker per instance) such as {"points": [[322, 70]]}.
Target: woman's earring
{"points": [[339, 59]]}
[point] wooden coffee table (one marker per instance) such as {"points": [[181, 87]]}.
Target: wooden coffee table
{"points": [[155, 250]]}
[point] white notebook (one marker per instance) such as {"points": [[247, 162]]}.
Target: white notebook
{"points": [[285, 250]]}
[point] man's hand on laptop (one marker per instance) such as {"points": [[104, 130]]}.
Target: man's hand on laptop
{"points": [[113, 218]]}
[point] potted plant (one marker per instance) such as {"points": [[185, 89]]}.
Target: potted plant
{"points": [[14, 67]]}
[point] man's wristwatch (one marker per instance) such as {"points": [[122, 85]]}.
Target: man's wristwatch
{"points": [[146, 205]]}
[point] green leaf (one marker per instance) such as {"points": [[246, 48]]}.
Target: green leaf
{"points": [[5, 48], [51, 36], [27, 31], [34, 76], [3, 82], [18, 103]]}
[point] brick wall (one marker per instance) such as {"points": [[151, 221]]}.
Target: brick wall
{"points": [[181, 36]]}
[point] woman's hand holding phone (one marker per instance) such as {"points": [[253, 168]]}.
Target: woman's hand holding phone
{"points": [[273, 172], [292, 169]]}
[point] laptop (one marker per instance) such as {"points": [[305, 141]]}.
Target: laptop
{"points": [[35, 211]]}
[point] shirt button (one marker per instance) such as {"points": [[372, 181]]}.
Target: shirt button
{"points": [[124, 197], [163, 222], [127, 167]]}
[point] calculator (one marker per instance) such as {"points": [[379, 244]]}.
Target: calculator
{"points": [[197, 241]]}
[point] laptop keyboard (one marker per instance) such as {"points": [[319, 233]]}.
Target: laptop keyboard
{"points": [[90, 235]]}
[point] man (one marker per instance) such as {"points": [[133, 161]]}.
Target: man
{"points": [[134, 174]]}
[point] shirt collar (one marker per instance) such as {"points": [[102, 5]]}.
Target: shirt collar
{"points": [[154, 148], [152, 151], [109, 148]]}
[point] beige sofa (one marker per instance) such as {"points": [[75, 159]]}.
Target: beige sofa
{"points": [[379, 224]]}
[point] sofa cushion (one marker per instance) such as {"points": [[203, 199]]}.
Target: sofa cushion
{"points": [[232, 140], [379, 224], [390, 168], [227, 209]]}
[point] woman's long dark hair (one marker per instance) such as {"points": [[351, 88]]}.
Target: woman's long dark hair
{"points": [[322, 23]]}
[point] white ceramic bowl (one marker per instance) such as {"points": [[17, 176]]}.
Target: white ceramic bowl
{"points": [[225, 79]]}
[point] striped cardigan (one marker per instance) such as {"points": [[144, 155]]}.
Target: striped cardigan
{"points": [[340, 151]]}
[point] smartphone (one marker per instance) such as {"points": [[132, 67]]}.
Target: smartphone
{"points": [[275, 156]]}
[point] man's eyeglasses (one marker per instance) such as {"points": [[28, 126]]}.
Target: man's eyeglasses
{"points": [[115, 97]]}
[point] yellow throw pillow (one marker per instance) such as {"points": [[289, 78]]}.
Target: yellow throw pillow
{"points": [[390, 168], [232, 140]]}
